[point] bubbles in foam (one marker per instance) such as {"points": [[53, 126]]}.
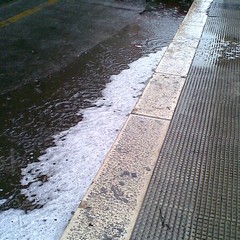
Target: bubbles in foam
{"points": [[62, 175]]}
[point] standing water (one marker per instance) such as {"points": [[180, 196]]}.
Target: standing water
{"points": [[55, 132]]}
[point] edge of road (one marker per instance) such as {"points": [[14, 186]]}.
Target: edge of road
{"points": [[111, 205]]}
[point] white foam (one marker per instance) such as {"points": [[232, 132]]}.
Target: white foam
{"points": [[2, 201], [71, 165]]}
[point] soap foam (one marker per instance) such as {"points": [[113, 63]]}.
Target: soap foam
{"points": [[71, 165]]}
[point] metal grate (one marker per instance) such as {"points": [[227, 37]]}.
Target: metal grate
{"points": [[228, 9], [195, 189]]}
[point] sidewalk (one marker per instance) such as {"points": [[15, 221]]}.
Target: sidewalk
{"points": [[182, 137], [195, 189]]}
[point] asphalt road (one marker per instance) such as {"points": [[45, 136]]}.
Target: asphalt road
{"points": [[56, 58], [37, 38]]}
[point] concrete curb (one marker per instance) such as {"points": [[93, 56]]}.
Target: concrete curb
{"points": [[111, 205]]}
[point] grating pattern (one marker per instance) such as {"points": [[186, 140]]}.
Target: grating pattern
{"points": [[195, 189], [225, 9]]}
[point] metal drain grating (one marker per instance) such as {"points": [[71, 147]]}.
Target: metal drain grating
{"points": [[195, 189], [222, 8]]}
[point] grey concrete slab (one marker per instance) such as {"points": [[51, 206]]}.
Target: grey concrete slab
{"points": [[160, 96], [189, 33], [195, 18], [180, 52], [109, 209], [177, 59]]}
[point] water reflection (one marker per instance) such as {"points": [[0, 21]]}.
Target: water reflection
{"points": [[179, 5]]}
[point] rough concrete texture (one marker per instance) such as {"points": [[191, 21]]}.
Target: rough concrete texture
{"points": [[114, 199], [178, 57], [160, 96], [111, 205]]}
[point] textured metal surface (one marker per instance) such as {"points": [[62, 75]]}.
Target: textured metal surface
{"points": [[223, 8], [195, 189]]}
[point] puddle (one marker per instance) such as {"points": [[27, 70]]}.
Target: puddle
{"points": [[228, 50]]}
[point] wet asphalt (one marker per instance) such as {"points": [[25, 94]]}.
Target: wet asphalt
{"points": [[55, 62], [41, 43]]}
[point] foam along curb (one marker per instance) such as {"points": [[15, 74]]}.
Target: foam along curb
{"points": [[111, 205], [114, 198]]}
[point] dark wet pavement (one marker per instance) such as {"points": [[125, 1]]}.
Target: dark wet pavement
{"points": [[44, 42], [65, 73]]}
